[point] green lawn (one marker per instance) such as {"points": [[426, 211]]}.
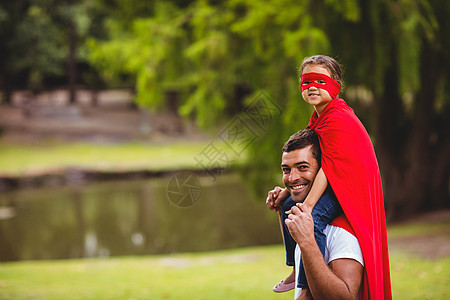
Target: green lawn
{"points": [[16, 159], [235, 274], [415, 278]]}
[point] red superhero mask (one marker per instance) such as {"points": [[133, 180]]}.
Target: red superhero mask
{"points": [[320, 81]]}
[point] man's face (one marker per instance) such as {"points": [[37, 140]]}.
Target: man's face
{"points": [[299, 171]]}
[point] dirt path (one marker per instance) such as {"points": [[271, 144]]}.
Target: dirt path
{"points": [[433, 243], [113, 119]]}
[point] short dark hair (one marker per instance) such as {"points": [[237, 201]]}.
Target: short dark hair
{"points": [[303, 139]]}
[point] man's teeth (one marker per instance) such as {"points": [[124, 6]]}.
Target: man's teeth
{"points": [[298, 187]]}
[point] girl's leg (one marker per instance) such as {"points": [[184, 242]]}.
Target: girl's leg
{"points": [[289, 242]]}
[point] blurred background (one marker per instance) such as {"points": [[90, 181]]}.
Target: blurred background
{"points": [[119, 119]]}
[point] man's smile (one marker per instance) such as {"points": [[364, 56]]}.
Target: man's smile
{"points": [[297, 187]]}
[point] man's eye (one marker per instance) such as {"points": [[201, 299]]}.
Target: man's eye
{"points": [[285, 170], [320, 82], [306, 82]]}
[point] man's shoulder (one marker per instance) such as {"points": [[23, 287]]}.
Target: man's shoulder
{"points": [[333, 231], [341, 244]]}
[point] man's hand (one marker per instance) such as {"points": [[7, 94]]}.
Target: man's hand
{"points": [[273, 200], [301, 225], [305, 295], [342, 281]]}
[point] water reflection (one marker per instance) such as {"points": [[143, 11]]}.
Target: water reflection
{"points": [[131, 218]]}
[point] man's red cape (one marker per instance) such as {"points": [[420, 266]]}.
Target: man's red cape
{"points": [[351, 167]]}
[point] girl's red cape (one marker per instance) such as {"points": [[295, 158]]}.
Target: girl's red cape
{"points": [[351, 167]]}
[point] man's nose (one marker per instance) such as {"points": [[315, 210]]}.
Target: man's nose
{"points": [[294, 175]]}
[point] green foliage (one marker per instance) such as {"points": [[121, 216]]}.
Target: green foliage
{"points": [[142, 52], [350, 9], [40, 48], [417, 24], [206, 51], [215, 55], [211, 67], [35, 38]]}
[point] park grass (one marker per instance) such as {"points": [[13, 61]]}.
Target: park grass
{"points": [[246, 273], [233, 274], [416, 278], [23, 159]]}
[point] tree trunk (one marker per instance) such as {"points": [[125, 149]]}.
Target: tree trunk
{"points": [[388, 133], [415, 170], [72, 68], [7, 94]]}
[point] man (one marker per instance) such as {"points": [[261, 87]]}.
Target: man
{"points": [[340, 276]]}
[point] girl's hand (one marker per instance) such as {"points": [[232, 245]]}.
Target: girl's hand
{"points": [[305, 208], [274, 197]]}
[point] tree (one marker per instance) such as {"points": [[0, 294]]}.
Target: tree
{"points": [[31, 44], [217, 55], [43, 40]]}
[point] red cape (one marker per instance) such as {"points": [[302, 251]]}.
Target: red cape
{"points": [[351, 167]]}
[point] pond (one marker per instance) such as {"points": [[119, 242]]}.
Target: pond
{"points": [[182, 213]]}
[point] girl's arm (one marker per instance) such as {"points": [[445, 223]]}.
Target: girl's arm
{"points": [[319, 186]]}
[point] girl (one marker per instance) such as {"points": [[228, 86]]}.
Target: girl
{"points": [[350, 167]]}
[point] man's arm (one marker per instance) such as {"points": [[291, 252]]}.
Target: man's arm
{"points": [[344, 278]]}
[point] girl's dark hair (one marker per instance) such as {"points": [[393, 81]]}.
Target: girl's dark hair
{"points": [[303, 139], [328, 62]]}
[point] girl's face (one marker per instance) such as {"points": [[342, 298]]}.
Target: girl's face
{"points": [[317, 97]]}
